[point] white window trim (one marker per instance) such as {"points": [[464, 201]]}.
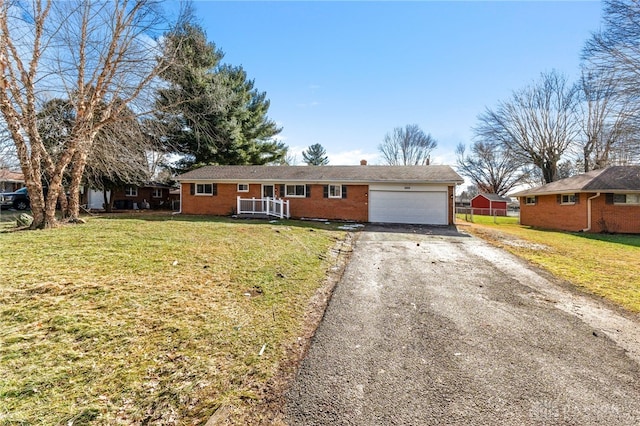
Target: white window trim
{"points": [[304, 191], [626, 197], [159, 192], [243, 190], [209, 194], [131, 191], [567, 203], [527, 203], [339, 191]]}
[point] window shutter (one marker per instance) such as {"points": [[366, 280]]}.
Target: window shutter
{"points": [[577, 198], [193, 189], [535, 200], [308, 190], [325, 191], [344, 191], [214, 189], [559, 199], [608, 198], [282, 193]]}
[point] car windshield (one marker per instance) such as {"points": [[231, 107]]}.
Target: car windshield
{"points": [[22, 190]]}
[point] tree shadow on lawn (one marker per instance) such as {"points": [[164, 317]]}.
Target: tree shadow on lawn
{"points": [[626, 239], [299, 223]]}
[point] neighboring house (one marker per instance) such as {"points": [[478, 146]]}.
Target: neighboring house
{"points": [[606, 200], [392, 194], [10, 181], [152, 195], [489, 204]]}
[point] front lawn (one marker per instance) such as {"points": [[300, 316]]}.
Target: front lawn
{"points": [[605, 265], [151, 320]]}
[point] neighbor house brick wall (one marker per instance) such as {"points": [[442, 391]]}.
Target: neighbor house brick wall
{"points": [[144, 193], [624, 219], [548, 214]]}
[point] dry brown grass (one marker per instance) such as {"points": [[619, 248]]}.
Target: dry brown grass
{"points": [[138, 321]]}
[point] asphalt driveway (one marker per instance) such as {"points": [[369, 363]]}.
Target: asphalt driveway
{"points": [[431, 327]]}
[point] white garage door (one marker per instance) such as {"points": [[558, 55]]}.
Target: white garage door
{"points": [[428, 208]]}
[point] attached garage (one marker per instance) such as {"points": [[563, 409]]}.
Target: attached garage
{"points": [[381, 194], [415, 204]]}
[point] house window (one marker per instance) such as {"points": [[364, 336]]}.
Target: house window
{"points": [[530, 201], [204, 189], [295, 191], [335, 191], [156, 193], [131, 191], [626, 198], [243, 187], [568, 199]]}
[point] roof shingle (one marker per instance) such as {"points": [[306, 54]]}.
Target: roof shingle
{"points": [[610, 179], [310, 174]]}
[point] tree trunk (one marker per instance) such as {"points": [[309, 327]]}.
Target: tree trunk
{"points": [[108, 200], [80, 161]]}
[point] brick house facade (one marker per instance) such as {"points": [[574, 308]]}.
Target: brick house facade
{"points": [[327, 192], [606, 200]]}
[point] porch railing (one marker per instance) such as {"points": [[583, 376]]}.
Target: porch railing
{"points": [[264, 206]]}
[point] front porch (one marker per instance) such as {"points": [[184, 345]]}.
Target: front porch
{"points": [[269, 207]]}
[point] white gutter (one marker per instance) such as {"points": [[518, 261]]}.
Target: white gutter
{"points": [[588, 228]]}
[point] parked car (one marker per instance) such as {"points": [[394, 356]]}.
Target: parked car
{"points": [[18, 200]]}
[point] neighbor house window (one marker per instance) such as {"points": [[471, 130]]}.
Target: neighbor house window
{"points": [[243, 187], [530, 201], [156, 193], [295, 191], [204, 189], [568, 199], [131, 191], [626, 198], [335, 191]]}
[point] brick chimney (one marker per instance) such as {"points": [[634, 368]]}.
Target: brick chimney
{"points": [[363, 162]]}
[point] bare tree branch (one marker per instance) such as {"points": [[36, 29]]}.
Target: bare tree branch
{"points": [[407, 146]]}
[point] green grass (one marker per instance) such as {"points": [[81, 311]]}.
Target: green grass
{"points": [[149, 320], [601, 264], [482, 219]]}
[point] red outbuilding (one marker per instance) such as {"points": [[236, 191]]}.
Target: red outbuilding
{"points": [[489, 204]]}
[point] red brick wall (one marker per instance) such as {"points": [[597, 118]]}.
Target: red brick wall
{"points": [[452, 207], [549, 214], [354, 207], [624, 219], [145, 193]]}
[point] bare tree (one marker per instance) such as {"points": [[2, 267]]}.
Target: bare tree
{"points": [[407, 146], [537, 125], [606, 119], [616, 48], [614, 52], [102, 56], [491, 167]]}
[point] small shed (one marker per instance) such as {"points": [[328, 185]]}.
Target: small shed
{"points": [[489, 205]]}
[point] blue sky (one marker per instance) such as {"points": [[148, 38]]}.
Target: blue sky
{"points": [[343, 74]]}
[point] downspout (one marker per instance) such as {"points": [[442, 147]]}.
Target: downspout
{"points": [[588, 228], [180, 210]]}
